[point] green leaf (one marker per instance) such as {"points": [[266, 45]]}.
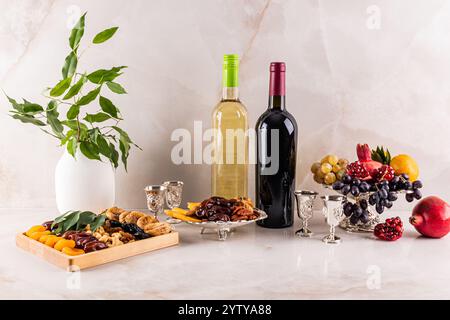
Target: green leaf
{"points": [[70, 65], [58, 230], [111, 137], [52, 118], [97, 117], [90, 150], [72, 147], [103, 75], [83, 135], [86, 218], [114, 157], [52, 108], [99, 221], [71, 220], [73, 112], [103, 146], [67, 136], [104, 35], [73, 124], [75, 89], [124, 147], [77, 33], [125, 136], [61, 218], [94, 134], [77, 220], [115, 87], [108, 107], [31, 108], [29, 119], [122, 133], [61, 87], [89, 97], [51, 134], [16, 106]]}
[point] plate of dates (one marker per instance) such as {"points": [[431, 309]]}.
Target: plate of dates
{"points": [[220, 214]]}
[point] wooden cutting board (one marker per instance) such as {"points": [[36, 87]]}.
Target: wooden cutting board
{"points": [[92, 259]]}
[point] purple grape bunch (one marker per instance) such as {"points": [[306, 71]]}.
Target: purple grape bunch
{"points": [[383, 194]]}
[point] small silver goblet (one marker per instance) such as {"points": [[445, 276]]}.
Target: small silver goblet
{"points": [[334, 213], [305, 201], [174, 190], [155, 198]]}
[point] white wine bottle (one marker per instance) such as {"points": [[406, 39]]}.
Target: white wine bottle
{"points": [[230, 152]]}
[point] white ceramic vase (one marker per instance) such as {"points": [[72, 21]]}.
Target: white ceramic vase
{"points": [[83, 184]]}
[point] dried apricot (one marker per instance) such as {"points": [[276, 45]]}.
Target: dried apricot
{"points": [[72, 251], [52, 240], [44, 237], [63, 243], [37, 235], [193, 205], [33, 229]]}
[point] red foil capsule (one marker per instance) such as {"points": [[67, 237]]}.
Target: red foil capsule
{"points": [[277, 79]]}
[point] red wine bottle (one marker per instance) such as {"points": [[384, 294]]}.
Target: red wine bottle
{"points": [[276, 132]]}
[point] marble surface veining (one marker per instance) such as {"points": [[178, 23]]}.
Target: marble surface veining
{"points": [[349, 80], [253, 263]]}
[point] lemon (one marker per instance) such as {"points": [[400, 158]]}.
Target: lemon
{"points": [[404, 163]]}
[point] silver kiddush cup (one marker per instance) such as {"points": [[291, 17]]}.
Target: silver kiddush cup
{"points": [[155, 198], [305, 201], [334, 213], [174, 191]]}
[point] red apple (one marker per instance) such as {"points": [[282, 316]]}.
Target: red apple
{"points": [[431, 217]]}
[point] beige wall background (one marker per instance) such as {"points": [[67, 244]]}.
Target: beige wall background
{"points": [[357, 71]]}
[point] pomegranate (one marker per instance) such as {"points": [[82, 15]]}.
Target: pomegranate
{"points": [[431, 217], [365, 168], [391, 230], [357, 170], [385, 172]]}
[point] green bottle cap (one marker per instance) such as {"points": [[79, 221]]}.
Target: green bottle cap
{"points": [[230, 70]]}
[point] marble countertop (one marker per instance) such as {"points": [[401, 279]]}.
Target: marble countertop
{"points": [[253, 263]]}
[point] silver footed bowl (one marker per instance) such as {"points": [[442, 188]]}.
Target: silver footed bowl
{"points": [[223, 228], [374, 217]]}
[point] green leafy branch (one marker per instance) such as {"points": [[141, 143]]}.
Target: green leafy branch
{"points": [[77, 220], [97, 134]]}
